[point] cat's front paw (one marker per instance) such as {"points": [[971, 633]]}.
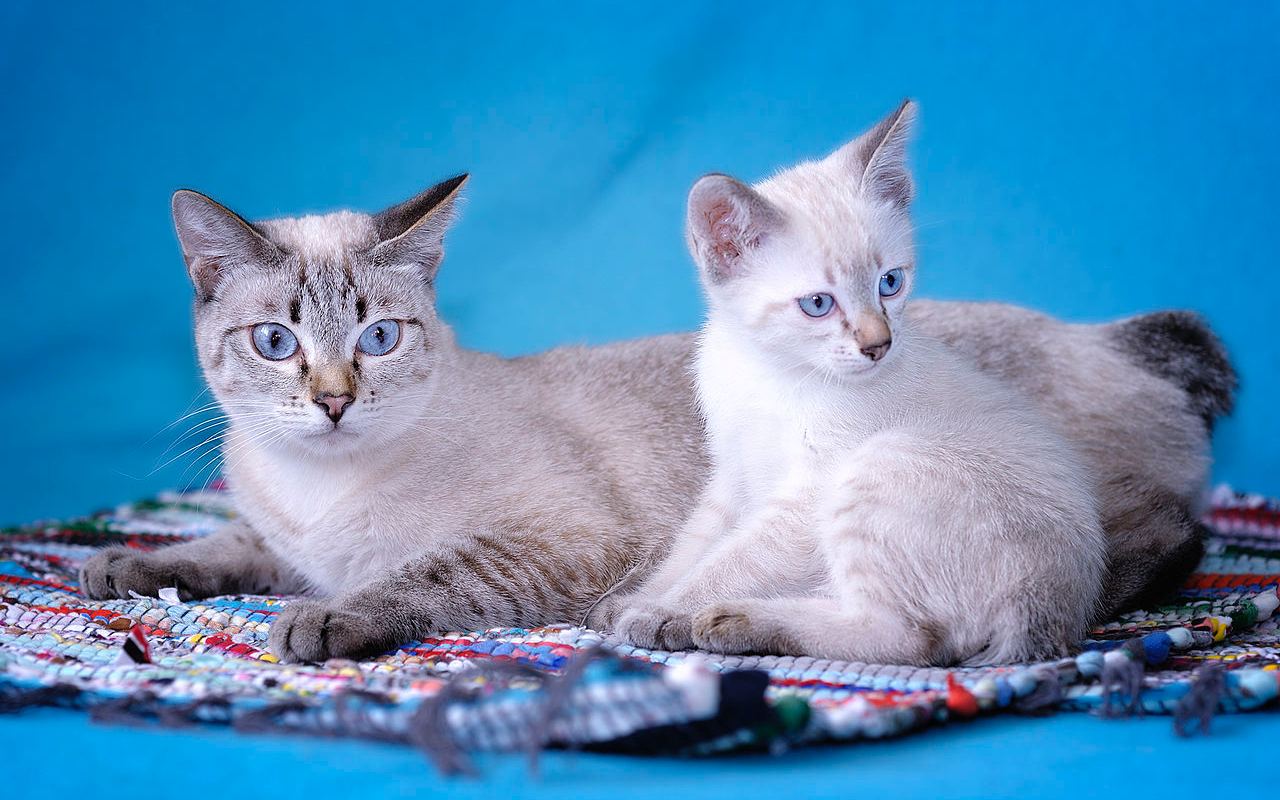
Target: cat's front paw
{"points": [[117, 571], [314, 631], [736, 627], [654, 627]]}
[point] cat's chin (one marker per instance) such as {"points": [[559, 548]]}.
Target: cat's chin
{"points": [[335, 441]]}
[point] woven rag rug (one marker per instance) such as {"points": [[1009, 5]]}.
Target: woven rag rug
{"points": [[154, 658]]}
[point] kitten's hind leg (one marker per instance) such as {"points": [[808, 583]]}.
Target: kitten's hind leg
{"points": [[821, 627]]}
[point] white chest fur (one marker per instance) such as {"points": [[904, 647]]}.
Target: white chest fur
{"points": [[331, 520], [764, 435]]}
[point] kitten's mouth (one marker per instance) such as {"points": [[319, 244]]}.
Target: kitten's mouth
{"points": [[855, 366]]}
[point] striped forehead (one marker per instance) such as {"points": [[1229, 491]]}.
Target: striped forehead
{"points": [[324, 251], [327, 295]]}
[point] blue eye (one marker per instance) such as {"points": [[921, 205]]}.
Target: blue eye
{"points": [[380, 338], [274, 342], [891, 283], [817, 305]]}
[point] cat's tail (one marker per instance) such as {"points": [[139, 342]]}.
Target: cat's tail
{"points": [[1180, 347]]}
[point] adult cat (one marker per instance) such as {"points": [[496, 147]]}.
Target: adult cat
{"points": [[417, 486]]}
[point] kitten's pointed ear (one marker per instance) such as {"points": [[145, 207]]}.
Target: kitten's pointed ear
{"points": [[726, 220], [214, 240], [413, 231], [878, 158]]}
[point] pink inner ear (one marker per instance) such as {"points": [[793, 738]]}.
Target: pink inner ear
{"points": [[726, 237], [724, 234]]}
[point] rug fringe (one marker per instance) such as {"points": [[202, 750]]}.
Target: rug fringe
{"points": [[1196, 708]]}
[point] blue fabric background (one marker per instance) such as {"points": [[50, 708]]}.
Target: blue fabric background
{"points": [[1091, 160]]}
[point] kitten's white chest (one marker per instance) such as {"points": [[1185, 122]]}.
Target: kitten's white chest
{"points": [[769, 445]]}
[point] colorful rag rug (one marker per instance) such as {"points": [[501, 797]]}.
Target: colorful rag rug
{"points": [[505, 689]]}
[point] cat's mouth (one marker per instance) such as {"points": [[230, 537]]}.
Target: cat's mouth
{"points": [[331, 433]]}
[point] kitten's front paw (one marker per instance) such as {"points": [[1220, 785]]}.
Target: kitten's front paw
{"points": [[311, 630], [116, 571], [604, 615], [655, 628], [735, 628]]}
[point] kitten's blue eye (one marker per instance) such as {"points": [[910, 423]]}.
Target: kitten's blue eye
{"points": [[380, 338], [891, 283], [274, 342], [817, 305]]}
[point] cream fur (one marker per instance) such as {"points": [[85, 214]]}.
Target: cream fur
{"points": [[907, 509]]}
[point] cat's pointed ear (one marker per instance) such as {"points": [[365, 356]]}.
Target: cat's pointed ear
{"points": [[878, 158], [412, 232], [215, 239], [726, 220]]}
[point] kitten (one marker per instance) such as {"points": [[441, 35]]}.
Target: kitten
{"points": [[874, 496], [457, 490]]}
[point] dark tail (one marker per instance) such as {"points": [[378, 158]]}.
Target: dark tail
{"points": [[1179, 347]]}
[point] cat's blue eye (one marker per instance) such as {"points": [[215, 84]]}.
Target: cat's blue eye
{"points": [[817, 305], [380, 338], [891, 282], [273, 341]]}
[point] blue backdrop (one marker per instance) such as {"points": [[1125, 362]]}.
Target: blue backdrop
{"points": [[1090, 160]]}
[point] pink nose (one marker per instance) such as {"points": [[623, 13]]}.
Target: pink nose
{"points": [[334, 404]]}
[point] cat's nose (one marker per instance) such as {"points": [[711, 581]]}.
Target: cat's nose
{"points": [[876, 351], [334, 404]]}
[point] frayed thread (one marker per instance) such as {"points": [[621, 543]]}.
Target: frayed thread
{"points": [[556, 695], [1123, 671], [1196, 708], [1047, 694]]}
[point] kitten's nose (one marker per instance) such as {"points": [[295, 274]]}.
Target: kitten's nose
{"points": [[334, 404], [876, 351]]}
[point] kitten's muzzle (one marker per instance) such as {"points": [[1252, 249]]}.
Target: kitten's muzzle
{"points": [[872, 334], [334, 404], [876, 350]]}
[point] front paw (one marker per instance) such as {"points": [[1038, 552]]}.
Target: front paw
{"points": [[311, 630], [604, 615], [117, 571], [735, 628], [655, 628]]}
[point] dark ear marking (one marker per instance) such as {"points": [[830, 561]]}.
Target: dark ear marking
{"points": [[215, 239], [400, 218], [413, 231]]}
